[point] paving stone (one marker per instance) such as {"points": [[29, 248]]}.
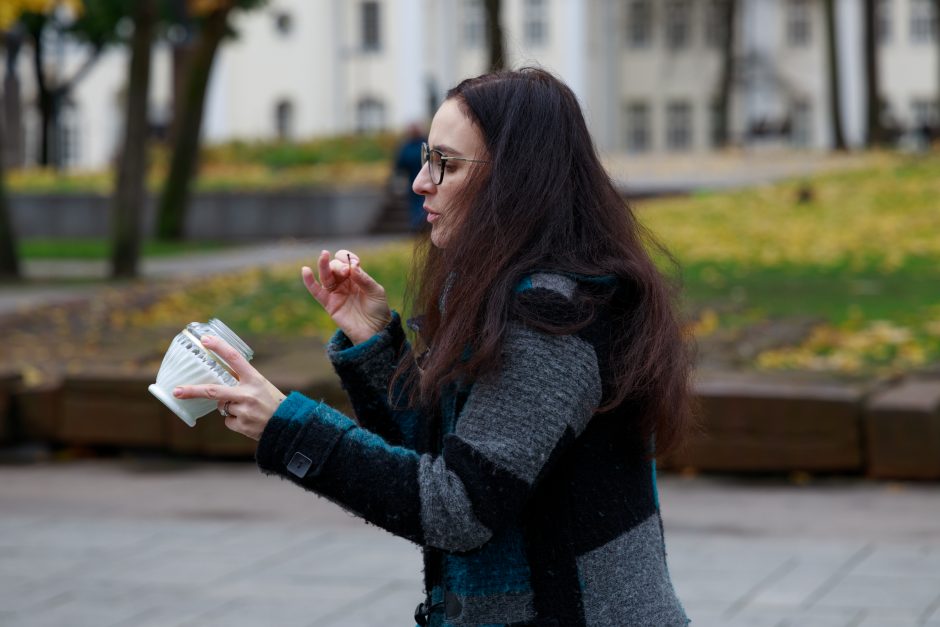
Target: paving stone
{"points": [[903, 431], [794, 587], [704, 584], [882, 592], [19, 593], [79, 611], [392, 604], [890, 618], [353, 556], [794, 617], [902, 560], [230, 553]]}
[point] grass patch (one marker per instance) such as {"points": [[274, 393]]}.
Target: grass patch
{"points": [[270, 301], [862, 257], [99, 249]]}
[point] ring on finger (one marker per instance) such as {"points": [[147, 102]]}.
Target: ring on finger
{"points": [[224, 410]]}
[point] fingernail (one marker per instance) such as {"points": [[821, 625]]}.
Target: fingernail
{"points": [[178, 392], [207, 339]]}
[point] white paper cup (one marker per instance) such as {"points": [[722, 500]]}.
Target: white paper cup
{"points": [[188, 362]]}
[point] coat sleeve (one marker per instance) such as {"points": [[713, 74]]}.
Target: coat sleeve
{"points": [[365, 371], [512, 425]]}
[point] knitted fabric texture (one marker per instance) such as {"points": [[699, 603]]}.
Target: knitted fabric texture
{"points": [[531, 509]]}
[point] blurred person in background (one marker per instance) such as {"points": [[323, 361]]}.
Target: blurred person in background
{"points": [[514, 440], [408, 163]]}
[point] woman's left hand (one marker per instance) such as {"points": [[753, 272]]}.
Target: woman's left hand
{"points": [[250, 404]]}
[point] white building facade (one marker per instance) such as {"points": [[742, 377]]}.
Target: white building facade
{"points": [[645, 71]]}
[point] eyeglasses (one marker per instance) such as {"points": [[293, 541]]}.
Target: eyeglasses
{"points": [[436, 161]]}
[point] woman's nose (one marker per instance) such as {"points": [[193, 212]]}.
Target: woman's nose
{"points": [[422, 184]]}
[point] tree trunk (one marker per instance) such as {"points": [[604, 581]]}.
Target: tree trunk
{"points": [[494, 34], [44, 98], [726, 81], [9, 266], [12, 103], [130, 195], [835, 91], [184, 159], [875, 134]]}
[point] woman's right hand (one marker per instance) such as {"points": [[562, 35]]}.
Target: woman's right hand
{"points": [[355, 302]]}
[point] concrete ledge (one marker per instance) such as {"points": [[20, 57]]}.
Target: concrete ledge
{"points": [[771, 425], [749, 423], [902, 427], [229, 216], [9, 382], [39, 411], [106, 406], [110, 406]]}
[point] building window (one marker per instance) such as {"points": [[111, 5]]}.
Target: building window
{"points": [[716, 27], [283, 23], [370, 115], [637, 136], [801, 129], [678, 23], [883, 22], [798, 22], [535, 22], [284, 120], [678, 125], [639, 23], [474, 24], [923, 21], [66, 147], [924, 114], [371, 27], [715, 124]]}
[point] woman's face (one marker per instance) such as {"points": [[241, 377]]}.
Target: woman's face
{"points": [[453, 134]]}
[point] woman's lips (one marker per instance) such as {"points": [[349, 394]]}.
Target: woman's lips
{"points": [[432, 216]]}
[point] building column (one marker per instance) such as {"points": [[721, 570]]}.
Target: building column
{"points": [[850, 57], [573, 31], [412, 92]]}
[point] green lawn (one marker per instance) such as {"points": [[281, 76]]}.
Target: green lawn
{"points": [[96, 249], [861, 259]]}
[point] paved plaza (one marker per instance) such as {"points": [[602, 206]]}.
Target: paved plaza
{"points": [[160, 542]]}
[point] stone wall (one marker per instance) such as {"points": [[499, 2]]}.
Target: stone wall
{"points": [[232, 216]]}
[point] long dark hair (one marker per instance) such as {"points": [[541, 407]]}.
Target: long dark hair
{"points": [[545, 202]]}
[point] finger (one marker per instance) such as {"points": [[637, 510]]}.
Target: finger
{"points": [[346, 256], [215, 392], [323, 266], [340, 270], [238, 363], [310, 282]]}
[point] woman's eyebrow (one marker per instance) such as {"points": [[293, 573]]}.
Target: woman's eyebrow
{"points": [[445, 148]]}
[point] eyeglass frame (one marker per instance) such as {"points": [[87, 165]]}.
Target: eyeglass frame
{"points": [[426, 160]]}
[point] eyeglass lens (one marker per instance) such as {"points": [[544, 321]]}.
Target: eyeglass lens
{"points": [[433, 158]]}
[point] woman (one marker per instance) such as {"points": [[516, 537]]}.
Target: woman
{"points": [[517, 447]]}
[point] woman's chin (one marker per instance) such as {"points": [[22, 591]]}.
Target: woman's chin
{"points": [[438, 238]]}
